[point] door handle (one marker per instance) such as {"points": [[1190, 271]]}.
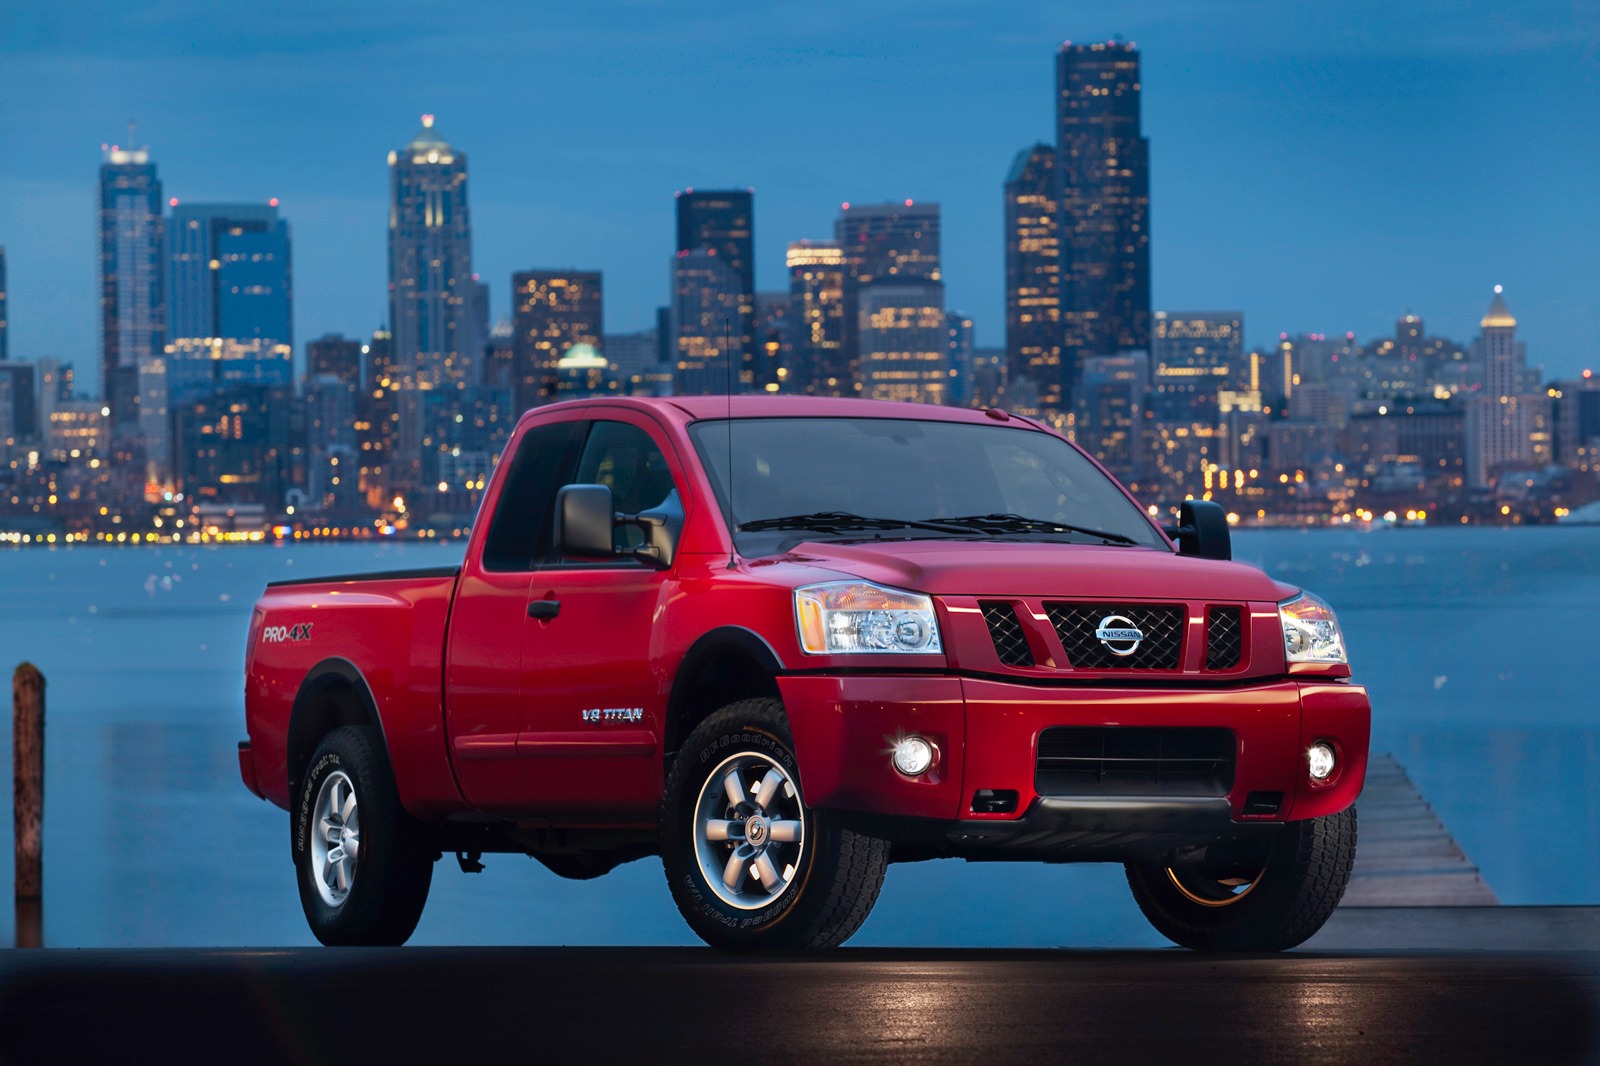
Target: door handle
{"points": [[544, 610]]}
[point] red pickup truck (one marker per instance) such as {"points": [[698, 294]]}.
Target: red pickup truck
{"points": [[785, 642]]}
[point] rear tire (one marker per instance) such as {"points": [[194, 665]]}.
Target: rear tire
{"points": [[1290, 897], [749, 864], [363, 864]]}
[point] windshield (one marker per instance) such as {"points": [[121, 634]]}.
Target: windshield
{"points": [[876, 478]]}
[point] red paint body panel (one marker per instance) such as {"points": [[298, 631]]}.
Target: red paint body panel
{"points": [[845, 727], [392, 631], [485, 710]]}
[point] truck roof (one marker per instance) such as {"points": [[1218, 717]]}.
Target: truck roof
{"points": [[696, 408]]}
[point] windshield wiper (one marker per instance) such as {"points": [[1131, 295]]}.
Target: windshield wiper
{"points": [[844, 522], [997, 524]]}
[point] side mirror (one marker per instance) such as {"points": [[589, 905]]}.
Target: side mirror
{"points": [[662, 527], [584, 521], [1202, 530]]}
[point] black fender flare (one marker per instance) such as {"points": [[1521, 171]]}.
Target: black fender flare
{"points": [[708, 645], [334, 672]]}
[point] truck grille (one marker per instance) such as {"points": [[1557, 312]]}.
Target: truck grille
{"points": [[1134, 761], [1224, 638], [1160, 648], [1010, 644]]}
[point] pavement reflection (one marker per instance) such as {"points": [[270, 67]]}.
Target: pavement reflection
{"points": [[866, 1006]]}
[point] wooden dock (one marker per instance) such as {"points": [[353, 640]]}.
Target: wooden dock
{"points": [[1405, 857]]}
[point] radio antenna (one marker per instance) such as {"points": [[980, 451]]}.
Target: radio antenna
{"points": [[727, 355]]}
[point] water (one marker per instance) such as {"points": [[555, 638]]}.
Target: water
{"points": [[1477, 645]]}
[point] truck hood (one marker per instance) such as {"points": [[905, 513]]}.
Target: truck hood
{"points": [[1009, 568]]}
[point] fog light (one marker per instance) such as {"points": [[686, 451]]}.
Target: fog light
{"points": [[913, 755], [1320, 760]]}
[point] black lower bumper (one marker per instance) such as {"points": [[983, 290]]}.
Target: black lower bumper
{"points": [[1118, 829]]}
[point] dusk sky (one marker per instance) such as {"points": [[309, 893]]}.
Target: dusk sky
{"points": [[1322, 167]]}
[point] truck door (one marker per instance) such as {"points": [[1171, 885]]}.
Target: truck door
{"points": [[484, 707], [596, 705]]}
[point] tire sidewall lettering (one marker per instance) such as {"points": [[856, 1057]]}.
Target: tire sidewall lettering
{"points": [[308, 792], [703, 901]]}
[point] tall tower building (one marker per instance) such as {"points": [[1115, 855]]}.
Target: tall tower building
{"points": [[132, 299], [816, 313], [704, 321], [5, 340], [1033, 273], [431, 289], [888, 242], [1104, 163], [230, 298], [723, 221], [1500, 422], [431, 294], [552, 312]]}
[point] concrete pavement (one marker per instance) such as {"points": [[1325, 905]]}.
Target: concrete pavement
{"points": [[596, 1005]]}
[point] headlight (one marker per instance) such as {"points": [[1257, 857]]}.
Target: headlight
{"points": [[1310, 631], [855, 616]]}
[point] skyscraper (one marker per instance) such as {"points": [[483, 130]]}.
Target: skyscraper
{"points": [[552, 311], [229, 298], [893, 242], [5, 340], [378, 420], [723, 221], [816, 313], [904, 341], [1192, 355], [233, 446], [773, 370], [960, 351], [132, 298], [1104, 164], [19, 416], [1033, 273], [431, 289], [704, 319], [1501, 419]]}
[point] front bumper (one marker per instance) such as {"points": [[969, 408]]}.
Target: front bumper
{"points": [[1116, 829], [987, 735]]}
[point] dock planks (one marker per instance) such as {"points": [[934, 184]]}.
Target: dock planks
{"points": [[1405, 857]]}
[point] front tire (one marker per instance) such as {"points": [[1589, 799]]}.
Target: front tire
{"points": [[362, 863], [1271, 905], [749, 864]]}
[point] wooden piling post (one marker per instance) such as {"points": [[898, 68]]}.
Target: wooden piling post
{"points": [[27, 762]]}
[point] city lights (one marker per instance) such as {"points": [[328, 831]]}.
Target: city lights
{"points": [[203, 433]]}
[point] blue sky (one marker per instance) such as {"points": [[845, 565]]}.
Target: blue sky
{"points": [[1321, 166]]}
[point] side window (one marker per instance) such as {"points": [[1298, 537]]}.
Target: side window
{"points": [[625, 459], [519, 533]]}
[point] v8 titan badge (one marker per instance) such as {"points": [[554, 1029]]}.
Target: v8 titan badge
{"points": [[613, 714]]}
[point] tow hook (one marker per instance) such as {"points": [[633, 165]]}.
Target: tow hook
{"points": [[469, 861]]}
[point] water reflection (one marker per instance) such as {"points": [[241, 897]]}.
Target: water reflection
{"points": [[151, 839]]}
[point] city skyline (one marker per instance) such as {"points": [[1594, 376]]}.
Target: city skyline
{"points": [[1325, 244]]}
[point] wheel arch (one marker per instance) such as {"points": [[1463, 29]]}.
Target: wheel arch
{"points": [[334, 693], [725, 664]]}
